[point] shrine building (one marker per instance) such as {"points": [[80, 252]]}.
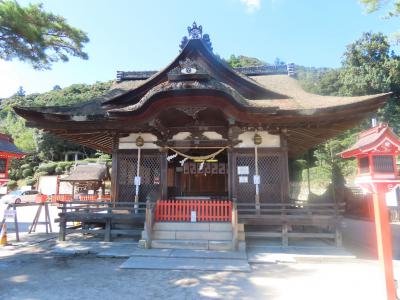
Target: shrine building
{"points": [[199, 130]]}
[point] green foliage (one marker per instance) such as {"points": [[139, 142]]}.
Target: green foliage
{"points": [[36, 36], [369, 67], [12, 184], [49, 167], [27, 172], [374, 5], [32, 140], [244, 61], [30, 181]]}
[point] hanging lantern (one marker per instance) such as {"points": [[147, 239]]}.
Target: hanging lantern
{"points": [[257, 139], [139, 141]]}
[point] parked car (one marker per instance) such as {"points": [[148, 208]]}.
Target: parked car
{"points": [[19, 196]]}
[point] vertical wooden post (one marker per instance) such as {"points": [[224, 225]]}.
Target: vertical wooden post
{"points": [[384, 240], [234, 222], [149, 223], [48, 219], [16, 223], [107, 231], [63, 223], [285, 168], [285, 239], [114, 170], [164, 175]]}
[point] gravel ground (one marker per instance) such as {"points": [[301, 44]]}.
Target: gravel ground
{"points": [[43, 275]]}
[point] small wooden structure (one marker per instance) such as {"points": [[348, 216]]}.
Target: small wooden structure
{"points": [[200, 130], [90, 176]]}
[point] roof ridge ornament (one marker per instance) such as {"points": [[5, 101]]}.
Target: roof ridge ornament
{"points": [[195, 32]]}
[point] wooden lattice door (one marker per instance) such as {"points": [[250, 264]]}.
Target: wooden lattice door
{"points": [[271, 170], [150, 172]]}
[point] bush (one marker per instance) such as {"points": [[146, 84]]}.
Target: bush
{"points": [[25, 166], [27, 172], [59, 170], [30, 181], [47, 167], [12, 184], [64, 165]]}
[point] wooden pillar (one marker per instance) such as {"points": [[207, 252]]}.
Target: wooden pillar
{"points": [[285, 170], [114, 170], [230, 174], [164, 175], [232, 168]]}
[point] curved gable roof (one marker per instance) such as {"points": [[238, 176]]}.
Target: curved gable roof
{"points": [[196, 50]]}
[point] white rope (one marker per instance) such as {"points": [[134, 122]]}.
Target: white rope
{"points": [[183, 161], [204, 157]]}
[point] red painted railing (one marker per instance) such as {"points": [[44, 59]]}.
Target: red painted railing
{"points": [[61, 197], [88, 197], [206, 210]]}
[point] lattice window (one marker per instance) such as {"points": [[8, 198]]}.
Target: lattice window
{"points": [[149, 171], [270, 168], [383, 164], [364, 165], [3, 163]]}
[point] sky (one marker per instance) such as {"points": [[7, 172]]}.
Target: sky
{"points": [[127, 35]]}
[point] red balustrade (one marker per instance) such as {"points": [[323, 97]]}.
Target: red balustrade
{"points": [[61, 197], [206, 210], [88, 197]]}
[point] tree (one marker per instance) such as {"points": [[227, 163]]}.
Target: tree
{"points": [[21, 92], [374, 5], [244, 61], [33, 35], [368, 66]]}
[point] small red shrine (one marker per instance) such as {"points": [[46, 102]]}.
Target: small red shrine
{"points": [[8, 151], [376, 151]]}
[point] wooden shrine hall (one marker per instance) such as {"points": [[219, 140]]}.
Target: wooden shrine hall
{"points": [[206, 143]]}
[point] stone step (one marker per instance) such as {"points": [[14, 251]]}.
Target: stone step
{"points": [[191, 235], [192, 244], [180, 244], [187, 226]]}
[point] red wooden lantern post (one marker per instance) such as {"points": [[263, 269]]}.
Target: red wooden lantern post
{"points": [[376, 151]]}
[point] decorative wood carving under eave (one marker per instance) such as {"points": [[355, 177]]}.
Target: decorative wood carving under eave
{"points": [[191, 111]]}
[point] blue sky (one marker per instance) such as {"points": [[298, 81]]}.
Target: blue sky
{"points": [[144, 35]]}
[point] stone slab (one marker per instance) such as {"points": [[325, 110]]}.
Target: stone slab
{"points": [[180, 244], [208, 254], [273, 254], [85, 247], [198, 264], [220, 245], [203, 235], [223, 226], [187, 226]]}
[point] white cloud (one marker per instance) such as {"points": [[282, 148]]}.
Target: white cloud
{"points": [[252, 5]]}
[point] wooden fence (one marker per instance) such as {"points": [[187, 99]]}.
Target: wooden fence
{"points": [[322, 220], [101, 218], [181, 210]]}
